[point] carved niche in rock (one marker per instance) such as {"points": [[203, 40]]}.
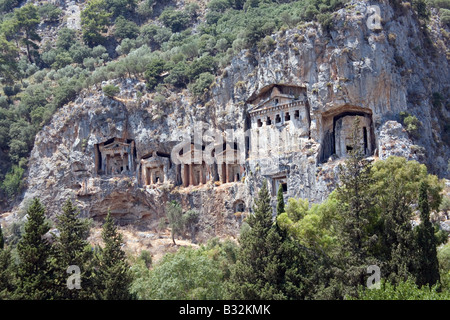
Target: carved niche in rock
{"points": [[337, 138], [115, 156]]}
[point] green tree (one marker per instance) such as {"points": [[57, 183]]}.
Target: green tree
{"points": [[34, 272], [175, 217], [174, 19], [311, 227], [444, 265], [8, 63], [125, 28], [190, 274], [27, 19], [94, 22], [396, 184], [65, 38], [202, 84], [113, 275], [405, 290], [49, 12], [7, 281], [153, 72], [120, 7], [270, 264], [190, 219], [7, 5], [72, 249], [428, 263], [13, 183], [248, 278], [355, 228], [280, 200]]}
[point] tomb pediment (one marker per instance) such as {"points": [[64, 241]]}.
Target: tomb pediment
{"points": [[276, 97]]}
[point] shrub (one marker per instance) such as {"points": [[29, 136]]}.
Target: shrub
{"points": [[153, 72], [49, 12], [202, 84], [445, 16], [407, 290], [13, 181], [175, 20], [146, 257], [125, 28], [411, 123], [110, 90]]}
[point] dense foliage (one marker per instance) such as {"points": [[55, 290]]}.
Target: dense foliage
{"points": [[42, 265]]}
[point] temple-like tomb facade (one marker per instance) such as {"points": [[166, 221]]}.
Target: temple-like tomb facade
{"points": [[154, 168], [279, 118], [115, 156]]}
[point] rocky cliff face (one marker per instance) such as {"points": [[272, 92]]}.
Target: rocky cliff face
{"points": [[354, 69]]}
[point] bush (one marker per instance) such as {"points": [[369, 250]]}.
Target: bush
{"points": [[146, 257], [125, 29], [186, 274], [110, 90], [49, 12], [411, 123], [403, 291], [65, 38], [153, 72], [202, 84], [13, 181], [441, 4], [7, 5], [445, 16], [175, 20]]}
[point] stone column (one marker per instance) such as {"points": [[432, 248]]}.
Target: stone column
{"points": [[227, 168], [191, 175], [186, 175]]}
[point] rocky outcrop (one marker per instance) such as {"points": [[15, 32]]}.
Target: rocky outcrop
{"points": [[354, 70]]}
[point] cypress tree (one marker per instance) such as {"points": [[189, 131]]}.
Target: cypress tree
{"points": [[354, 229], [248, 274], [34, 270], [6, 275], [113, 275], [270, 265], [280, 200], [6, 272], [397, 249], [428, 263], [72, 249]]}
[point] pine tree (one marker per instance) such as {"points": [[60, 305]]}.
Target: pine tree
{"points": [[34, 270], [354, 229], [7, 284], [113, 274], [280, 200], [72, 249], [428, 263], [248, 275], [6, 272]]}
